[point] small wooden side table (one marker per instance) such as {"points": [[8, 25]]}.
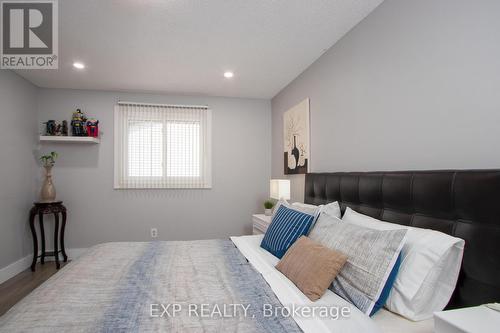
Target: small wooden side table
{"points": [[42, 208]]}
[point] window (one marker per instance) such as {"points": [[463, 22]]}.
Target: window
{"points": [[162, 146]]}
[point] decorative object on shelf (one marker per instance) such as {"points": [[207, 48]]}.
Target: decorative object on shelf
{"points": [[268, 207], [296, 139], [58, 130], [78, 123], [48, 191], [93, 128], [64, 130], [280, 189], [50, 127]]}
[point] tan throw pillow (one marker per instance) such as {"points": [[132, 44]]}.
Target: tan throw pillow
{"points": [[311, 266]]}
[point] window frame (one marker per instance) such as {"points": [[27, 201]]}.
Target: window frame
{"points": [[121, 150]]}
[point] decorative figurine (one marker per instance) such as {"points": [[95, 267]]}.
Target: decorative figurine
{"points": [[93, 128], [58, 130], [50, 127], [78, 123], [64, 131]]}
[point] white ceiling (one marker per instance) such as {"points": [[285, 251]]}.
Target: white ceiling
{"points": [[184, 46]]}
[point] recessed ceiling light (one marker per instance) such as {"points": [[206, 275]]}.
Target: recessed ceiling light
{"points": [[228, 75], [78, 65]]}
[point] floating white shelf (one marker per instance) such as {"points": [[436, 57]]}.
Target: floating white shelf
{"points": [[69, 139]]}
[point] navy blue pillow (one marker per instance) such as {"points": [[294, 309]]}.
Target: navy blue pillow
{"points": [[387, 287], [285, 228]]}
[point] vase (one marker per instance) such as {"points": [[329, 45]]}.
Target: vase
{"points": [[48, 192], [268, 212]]}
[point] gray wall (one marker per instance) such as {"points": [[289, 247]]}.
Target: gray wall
{"points": [[414, 86], [83, 174], [17, 142]]}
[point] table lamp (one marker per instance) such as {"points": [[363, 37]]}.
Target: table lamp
{"points": [[280, 189]]}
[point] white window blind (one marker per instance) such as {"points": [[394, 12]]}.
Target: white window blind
{"points": [[162, 146]]}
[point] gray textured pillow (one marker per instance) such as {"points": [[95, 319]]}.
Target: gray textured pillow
{"points": [[371, 256]]}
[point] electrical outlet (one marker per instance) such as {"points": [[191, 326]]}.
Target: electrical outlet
{"points": [[154, 232]]}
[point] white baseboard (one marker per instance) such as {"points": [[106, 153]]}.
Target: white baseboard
{"points": [[15, 268], [22, 264]]}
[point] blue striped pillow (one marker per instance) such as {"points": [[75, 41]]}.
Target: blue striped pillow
{"points": [[285, 228]]}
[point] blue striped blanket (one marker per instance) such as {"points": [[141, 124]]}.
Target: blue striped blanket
{"points": [[194, 286]]}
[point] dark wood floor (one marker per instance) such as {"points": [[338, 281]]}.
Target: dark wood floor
{"points": [[16, 288]]}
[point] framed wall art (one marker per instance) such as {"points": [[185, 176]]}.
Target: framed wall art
{"points": [[296, 139]]}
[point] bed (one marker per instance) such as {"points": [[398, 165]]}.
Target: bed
{"points": [[224, 285], [461, 203]]}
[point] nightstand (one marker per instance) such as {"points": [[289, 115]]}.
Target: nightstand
{"points": [[260, 223], [467, 320]]}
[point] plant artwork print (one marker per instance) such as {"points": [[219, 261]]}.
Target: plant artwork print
{"points": [[296, 139]]}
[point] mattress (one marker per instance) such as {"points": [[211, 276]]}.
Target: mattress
{"points": [[383, 321], [114, 286], [138, 287], [390, 322]]}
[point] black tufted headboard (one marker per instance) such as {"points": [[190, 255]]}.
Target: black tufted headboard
{"points": [[464, 204]]}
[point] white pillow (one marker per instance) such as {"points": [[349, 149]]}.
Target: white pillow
{"points": [[332, 208], [306, 208], [430, 264]]}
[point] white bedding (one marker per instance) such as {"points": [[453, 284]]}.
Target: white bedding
{"points": [[390, 322], [288, 293]]}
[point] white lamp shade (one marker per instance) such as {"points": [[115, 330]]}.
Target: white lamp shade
{"points": [[280, 189]]}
